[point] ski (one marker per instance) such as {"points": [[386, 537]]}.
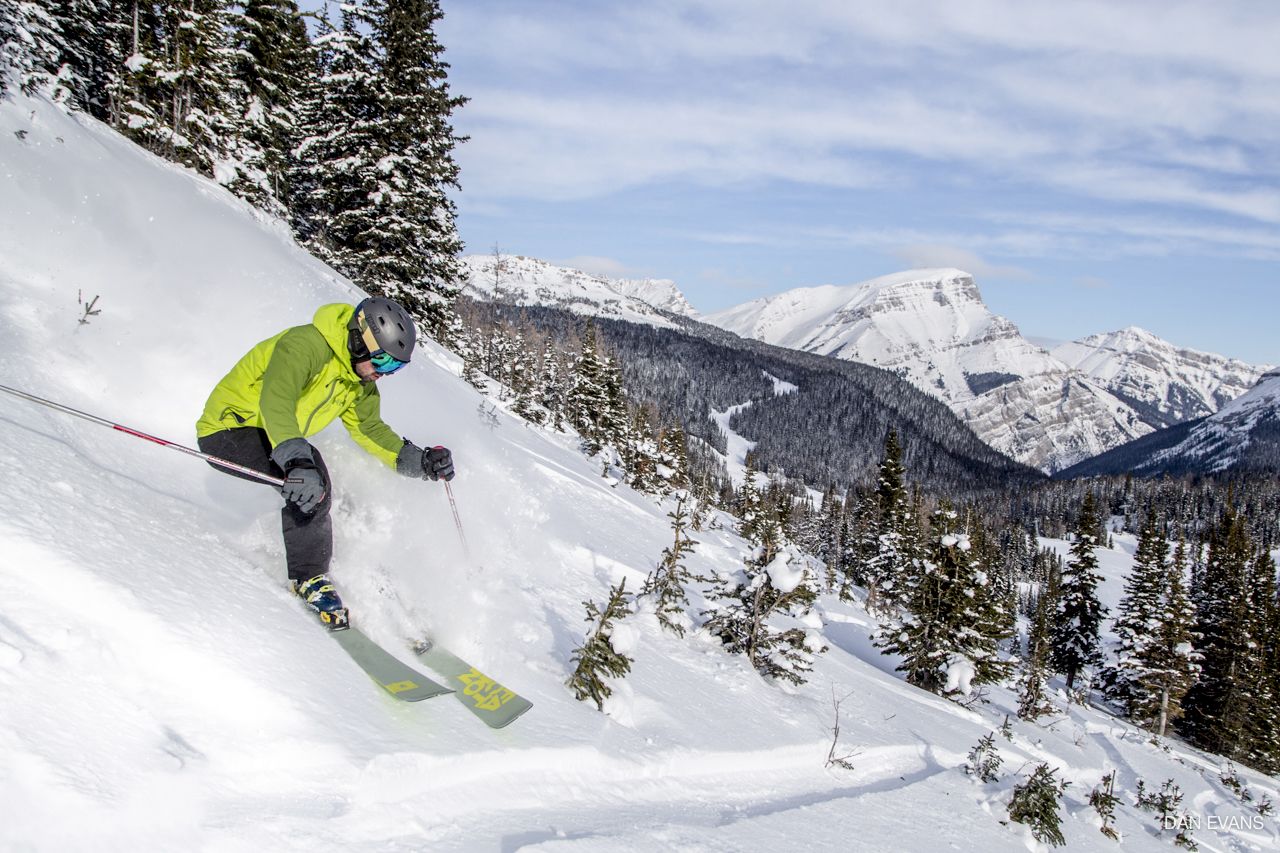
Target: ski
{"points": [[493, 703], [399, 679]]}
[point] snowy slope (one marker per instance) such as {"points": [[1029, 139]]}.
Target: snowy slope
{"points": [[528, 281], [932, 327], [162, 691], [1164, 383]]}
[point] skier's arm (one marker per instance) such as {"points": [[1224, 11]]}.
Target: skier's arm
{"points": [[298, 356], [364, 422]]}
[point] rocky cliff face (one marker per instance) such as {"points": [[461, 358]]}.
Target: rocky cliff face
{"points": [[932, 327], [1163, 383]]}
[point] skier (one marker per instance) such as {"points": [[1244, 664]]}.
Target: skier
{"points": [[290, 387]]}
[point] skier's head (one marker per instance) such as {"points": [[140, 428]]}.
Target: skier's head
{"points": [[381, 333]]}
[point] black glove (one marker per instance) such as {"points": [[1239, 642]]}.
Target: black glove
{"points": [[438, 463], [303, 484], [433, 464]]}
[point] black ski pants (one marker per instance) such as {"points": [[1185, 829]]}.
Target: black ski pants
{"points": [[308, 537]]}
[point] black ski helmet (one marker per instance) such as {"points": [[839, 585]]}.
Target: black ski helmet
{"points": [[391, 327]]}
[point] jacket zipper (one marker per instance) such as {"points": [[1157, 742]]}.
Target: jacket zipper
{"points": [[334, 384]]}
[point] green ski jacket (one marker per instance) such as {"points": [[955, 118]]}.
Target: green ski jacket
{"points": [[294, 384]]}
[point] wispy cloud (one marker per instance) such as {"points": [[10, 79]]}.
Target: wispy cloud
{"points": [[928, 256], [1165, 104]]}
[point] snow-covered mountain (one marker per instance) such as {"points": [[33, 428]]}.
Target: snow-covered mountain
{"points": [[932, 327], [529, 281], [1164, 383], [1243, 435], [161, 690]]}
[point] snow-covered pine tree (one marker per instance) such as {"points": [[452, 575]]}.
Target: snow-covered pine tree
{"points": [[640, 452], [830, 530], [666, 583], [996, 599], [413, 254], [1260, 746], [1213, 713], [95, 34], [613, 418], [522, 379], [742, 603], [1033, 701], [273, 61], [135, 92], [1138, 622], [588, 398], [31, 44], [1172, 662], [597, 658], [551, 391], [198, 112], [1079, 613], [896, 534], [336, 171], [949, 632], [11, 55], [673, 457]]}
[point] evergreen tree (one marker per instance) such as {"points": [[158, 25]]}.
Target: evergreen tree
{"points": [[744, 602], [984, 759], [1214, 709], [136, 91], [666, 583], [1138, 622], [1104, 801], [412, 254], [896, 555], [1035, 802], [1172, 661], [588, 399], [1033, 702], [1079, 614], [11, 57], [273, 61], [831, 528], [31, 45], [336, 172], [1260, 746], [673, 456], [199, 114], [95, 34], [551, 392], [597, 658], [948, 636]]}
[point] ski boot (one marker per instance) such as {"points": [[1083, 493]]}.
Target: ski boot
{"points": [[321, 597]]}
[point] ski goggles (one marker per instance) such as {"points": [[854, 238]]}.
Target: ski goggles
{"points": [[385, 363]]}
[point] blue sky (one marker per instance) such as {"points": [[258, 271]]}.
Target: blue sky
{"points": [[1094, 165]]}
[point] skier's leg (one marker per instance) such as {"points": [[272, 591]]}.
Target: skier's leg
{"points": [[308, 537], [247, 446]]}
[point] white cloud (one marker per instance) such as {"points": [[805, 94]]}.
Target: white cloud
{"points": [[933, 255], [1156, 103]]}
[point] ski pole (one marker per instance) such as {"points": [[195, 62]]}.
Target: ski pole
{"points": [[223, 463], [457, 522]]}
